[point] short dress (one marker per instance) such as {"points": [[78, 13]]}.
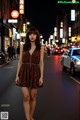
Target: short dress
{"points": [[29, 73]]}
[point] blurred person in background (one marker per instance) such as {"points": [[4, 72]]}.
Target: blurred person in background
{"points": [[13, 52], [9, 51], [18, 51], [48, 51]]}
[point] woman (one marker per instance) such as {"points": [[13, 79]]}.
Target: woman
{"points": [[30, 70]]}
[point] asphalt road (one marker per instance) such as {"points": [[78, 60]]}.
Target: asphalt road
{"points": [[59, 99]]}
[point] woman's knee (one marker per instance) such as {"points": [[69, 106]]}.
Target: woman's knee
{"points": [[25, 92], [33, 97], [26, 98]]}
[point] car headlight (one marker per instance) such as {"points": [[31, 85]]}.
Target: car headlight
{"points": [[77, 62]]}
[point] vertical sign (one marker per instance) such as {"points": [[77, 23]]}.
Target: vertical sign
{"points": [[55, 31], [69, 31], [61, 33], [72, 15], [21, 6]]}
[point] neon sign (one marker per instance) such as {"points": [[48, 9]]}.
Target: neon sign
{"points": [[21, 6]]}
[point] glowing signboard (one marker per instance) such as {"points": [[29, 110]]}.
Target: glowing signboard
{"points": [[68, 2], [21, 6], [14, 14]]}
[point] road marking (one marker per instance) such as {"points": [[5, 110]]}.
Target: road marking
{"points": [[5, 105], [8, 67], [75, 80]]}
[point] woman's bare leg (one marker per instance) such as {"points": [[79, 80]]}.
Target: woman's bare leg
{"points": [[33, 93], [26, 102]]}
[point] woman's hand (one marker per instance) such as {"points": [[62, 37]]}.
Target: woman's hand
{"points": [[17, 80], [40, 81]]}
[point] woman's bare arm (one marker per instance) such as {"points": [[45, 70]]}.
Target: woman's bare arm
{"points": [[42, 62]]}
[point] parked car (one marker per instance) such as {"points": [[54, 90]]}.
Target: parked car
{"points": [[71, 59]]}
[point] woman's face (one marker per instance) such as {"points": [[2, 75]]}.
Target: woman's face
{"points": [[32, 37]]}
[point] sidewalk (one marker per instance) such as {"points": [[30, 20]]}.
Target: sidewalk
{"points": [[5, 64]]}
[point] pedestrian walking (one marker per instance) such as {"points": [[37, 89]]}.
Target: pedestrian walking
{"points": [[18, 51], [30, 70], [13, 52], [48, 51], [9, 51]]}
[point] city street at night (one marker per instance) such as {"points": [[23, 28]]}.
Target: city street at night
{"points": [[59, 99], [44, 36]]}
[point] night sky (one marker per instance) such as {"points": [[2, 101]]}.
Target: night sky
{"points": [[42, 14]]}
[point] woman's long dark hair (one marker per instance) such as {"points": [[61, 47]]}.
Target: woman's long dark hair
{"points": [[27, 45]]}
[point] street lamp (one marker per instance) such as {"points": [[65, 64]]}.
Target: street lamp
{"points": [[41, 36], [27, 24]]}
